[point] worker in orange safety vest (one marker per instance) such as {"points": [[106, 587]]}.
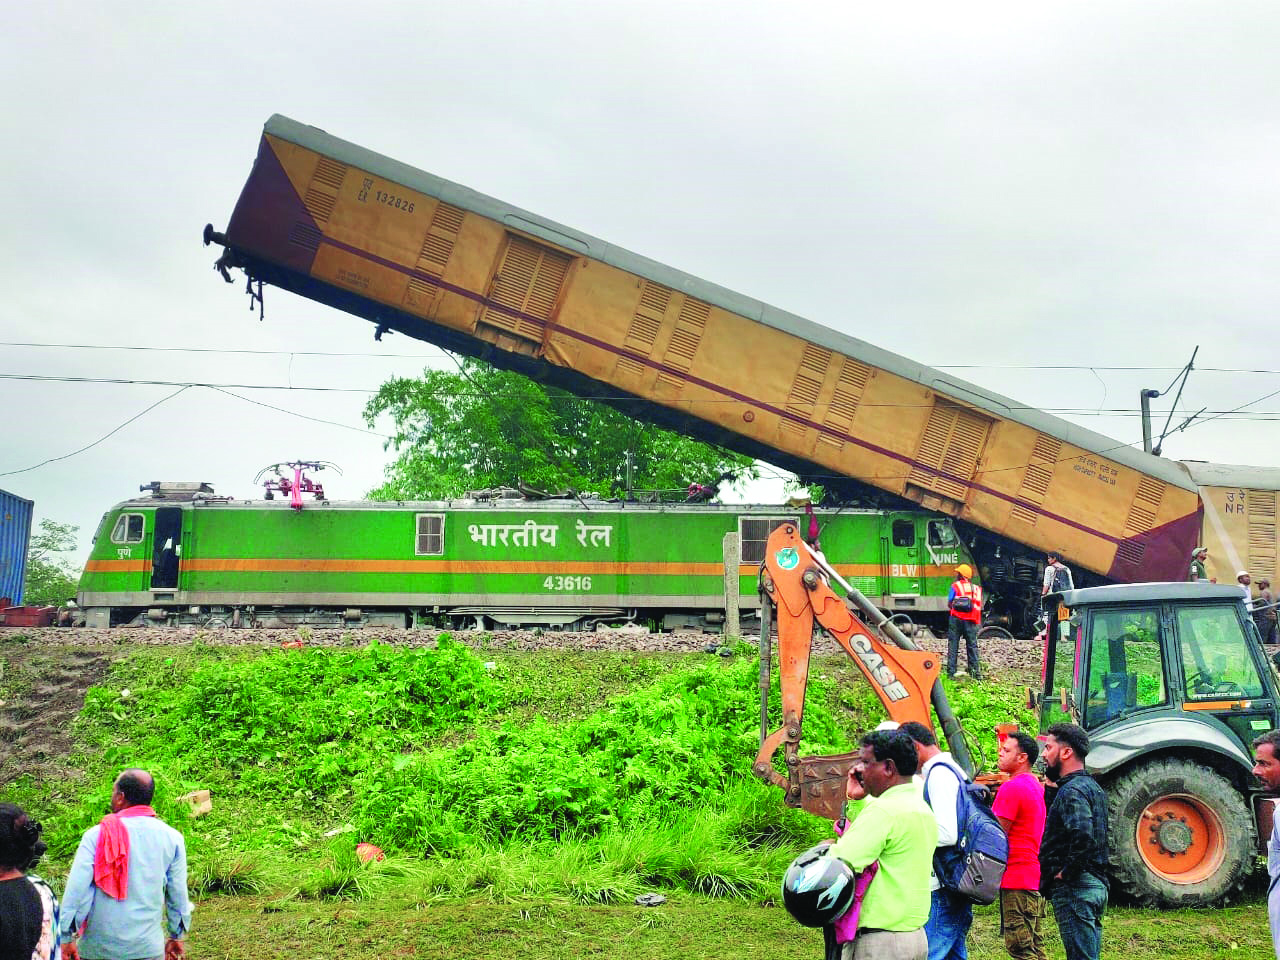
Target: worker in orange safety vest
{"points": [[965, 603]]}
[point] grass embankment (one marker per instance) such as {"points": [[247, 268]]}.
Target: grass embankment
{"points": [[524, 799]]}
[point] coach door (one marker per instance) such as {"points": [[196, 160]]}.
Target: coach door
{"points": [[166, 548], [905, 574]]}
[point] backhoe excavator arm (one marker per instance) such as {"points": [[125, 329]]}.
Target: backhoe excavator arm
{"points": [[794, 582]]}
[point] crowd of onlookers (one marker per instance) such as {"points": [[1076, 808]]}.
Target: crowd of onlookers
{"points": [[126, 894], [885, 888], [905, 802]]}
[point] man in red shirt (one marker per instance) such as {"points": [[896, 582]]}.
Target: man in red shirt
{"points": [[1020, 809]]}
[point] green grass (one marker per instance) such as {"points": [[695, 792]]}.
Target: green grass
{"points": [[686, 926]]}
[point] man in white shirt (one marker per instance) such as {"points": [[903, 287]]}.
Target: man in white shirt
{"points": [[950, 916], [1245, 581], [1057, 577]]}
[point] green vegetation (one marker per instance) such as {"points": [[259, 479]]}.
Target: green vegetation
{"points": [[638, 763], [50, 575], [480, 427], [522, 799]]}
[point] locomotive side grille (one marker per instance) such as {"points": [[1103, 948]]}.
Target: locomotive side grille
{"points": [[447, 219], [807, 386], [644, 330], [754, 534], [687, 336], [815, 361], [420, 291], [1023, 514], [430, 539], [433, 257], [1034, 488], [631, 366], [654, 299], [1036, 480], [435, 252]]}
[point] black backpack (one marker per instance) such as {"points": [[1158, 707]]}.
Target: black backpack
{"points": [[974, 866], [1061, 579]]}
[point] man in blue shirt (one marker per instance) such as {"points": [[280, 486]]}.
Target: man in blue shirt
{"points": [[1266, 753], [127, 871]]}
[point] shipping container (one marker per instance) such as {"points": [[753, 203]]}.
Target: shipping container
{"points": [[15, 537]]}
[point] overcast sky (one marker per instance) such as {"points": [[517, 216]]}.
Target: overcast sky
{"points": [[986, 185]]}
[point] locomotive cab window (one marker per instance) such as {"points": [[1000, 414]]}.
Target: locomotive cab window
{"points": [[430, 535], [128, 529], [904, 533], [941, 534], [754, 532]]}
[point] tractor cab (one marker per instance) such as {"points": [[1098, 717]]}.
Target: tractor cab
{"points": [[1170, 681], [1118, 654]]}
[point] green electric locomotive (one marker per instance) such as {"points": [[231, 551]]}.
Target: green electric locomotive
{"points": [[185, 556]]}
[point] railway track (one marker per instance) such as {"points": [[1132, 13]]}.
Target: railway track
{"points": [[1001, 654]]}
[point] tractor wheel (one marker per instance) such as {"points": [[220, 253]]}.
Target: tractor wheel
{"points": [[1180, 834]]}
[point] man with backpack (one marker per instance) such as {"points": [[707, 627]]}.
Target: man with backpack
{"points": [[1073, 854], [1057, 578], [950, 915], [1020, 808]]}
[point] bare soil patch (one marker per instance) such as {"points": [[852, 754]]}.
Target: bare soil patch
{"points": [[42, 687]]}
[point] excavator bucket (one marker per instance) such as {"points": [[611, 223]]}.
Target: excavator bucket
{"points": [[793, 581]]}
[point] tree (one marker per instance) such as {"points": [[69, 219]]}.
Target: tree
{"points": [[51, 578], [482, 427]]}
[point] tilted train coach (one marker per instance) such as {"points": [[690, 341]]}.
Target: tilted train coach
{"points": [[183, 555], [437, 261]]}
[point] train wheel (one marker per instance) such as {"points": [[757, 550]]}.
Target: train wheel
{"points": [[904, 623]]}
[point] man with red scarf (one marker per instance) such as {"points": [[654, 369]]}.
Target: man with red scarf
{"points": [[126, 871]]}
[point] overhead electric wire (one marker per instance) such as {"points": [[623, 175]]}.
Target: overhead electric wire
{"points": [[292, 413], [232, 350], [180, 383], [181, 389], [67, 456], [226, 389]]}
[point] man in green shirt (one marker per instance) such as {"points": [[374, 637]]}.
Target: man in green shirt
{"points": [[895, 827]]}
